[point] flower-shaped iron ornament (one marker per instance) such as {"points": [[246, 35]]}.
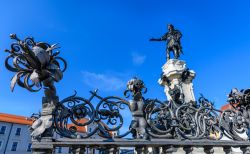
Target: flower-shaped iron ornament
{"points": [[34, 63]]}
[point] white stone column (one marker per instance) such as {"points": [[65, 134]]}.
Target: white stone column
{"points": [[175, 73]]}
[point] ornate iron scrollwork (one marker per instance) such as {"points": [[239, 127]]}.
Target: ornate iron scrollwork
{"points": [[236, 121], [75, 112], [34, 62], [36, 65], [151, 117]]}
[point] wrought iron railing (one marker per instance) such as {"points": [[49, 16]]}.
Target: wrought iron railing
{"points": [[153, 118], [155, 123]]}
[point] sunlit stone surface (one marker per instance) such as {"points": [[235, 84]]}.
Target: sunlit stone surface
{"points": [[173, 71]]}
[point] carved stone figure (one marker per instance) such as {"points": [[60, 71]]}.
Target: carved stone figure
{"points": [[177, 80], [172, 37]]}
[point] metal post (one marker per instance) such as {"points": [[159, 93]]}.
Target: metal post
{"points": [[78, 150], [43, 70], [167, 149], [188, 150], [245, 150], [49, 102], [145, 150], [113, 150], [208, 150], [227, 150], [139, 150], [155, 150]]}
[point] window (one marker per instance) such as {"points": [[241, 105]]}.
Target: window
{"points": [[3, 129], [14, 146], [18, 131], [29, 147], [59, 149]]}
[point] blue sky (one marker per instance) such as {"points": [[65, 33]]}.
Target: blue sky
{"points": [[106, 43]]}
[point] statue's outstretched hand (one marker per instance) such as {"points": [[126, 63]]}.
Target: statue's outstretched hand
{"points": [[152, 39], [155, 39]]}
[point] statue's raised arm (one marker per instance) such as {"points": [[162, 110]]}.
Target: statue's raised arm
{"points": [[172, 37], [155, 39]]}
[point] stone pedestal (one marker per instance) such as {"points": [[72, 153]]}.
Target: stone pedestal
{"points": [[42, 129], [177, 80]]}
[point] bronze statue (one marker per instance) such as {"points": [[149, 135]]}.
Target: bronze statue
{"points": [[137, 105], [172, 37]]}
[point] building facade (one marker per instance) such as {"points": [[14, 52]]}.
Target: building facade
{"points": [[15, 136]]}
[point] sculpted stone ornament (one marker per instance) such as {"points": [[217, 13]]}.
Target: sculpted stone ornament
{"points": [[37, 66], [177, 80], [172, 37]]}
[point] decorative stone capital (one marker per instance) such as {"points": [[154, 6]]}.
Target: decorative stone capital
{"points": [[173, 67]]}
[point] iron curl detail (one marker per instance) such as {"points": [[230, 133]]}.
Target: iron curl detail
{"points": [[151, 118], [74, 113], [184, 121], [236, 120]]}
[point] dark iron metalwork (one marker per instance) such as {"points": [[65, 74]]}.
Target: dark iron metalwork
{"points": [[237, 120], [34, 63], [37, 66], [151, 117], [81, 112], [155, 123], [173, 37]]}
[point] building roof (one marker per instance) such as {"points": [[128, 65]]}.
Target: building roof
{"points": [[10, 118], [226, 106], [16, 119], [81, 129]]}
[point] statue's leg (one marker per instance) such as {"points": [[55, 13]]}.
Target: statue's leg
{"points": [[176, 56], [168, 54], [179, 52], [143, 125]]}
